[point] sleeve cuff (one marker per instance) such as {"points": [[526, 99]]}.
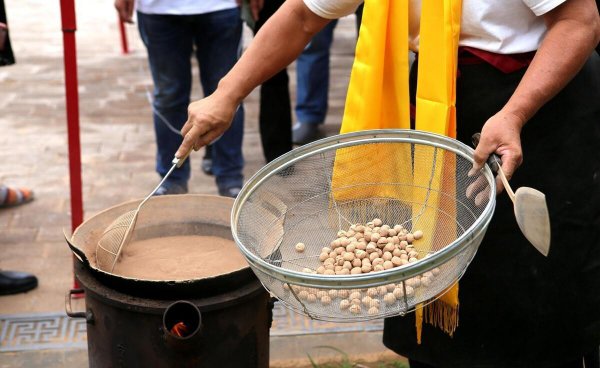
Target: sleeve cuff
{"points": [[543, 7], [331, 12]]}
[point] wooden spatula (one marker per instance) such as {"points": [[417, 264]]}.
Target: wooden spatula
{"points": [[531, 210]]}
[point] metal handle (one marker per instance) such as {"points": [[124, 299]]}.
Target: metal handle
{"points": [[87, 315], [495, 163], [178, 161]]}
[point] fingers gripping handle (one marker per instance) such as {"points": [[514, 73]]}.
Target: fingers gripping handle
{"points": [[178, 161], [495, 163]]}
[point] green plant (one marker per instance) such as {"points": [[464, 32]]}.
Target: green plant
{"points": [[396, 364], [345, 363]]}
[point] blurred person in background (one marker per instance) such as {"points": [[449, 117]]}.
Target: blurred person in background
{"points": [[12, 282], [173, 30], [274, 114], [312, 86], [312, 91]]}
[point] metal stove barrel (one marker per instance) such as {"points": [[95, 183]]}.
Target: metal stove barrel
{"points": [[230, 329]]}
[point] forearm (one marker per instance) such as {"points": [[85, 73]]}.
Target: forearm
{"points": [[573, 33], [276, 45]]}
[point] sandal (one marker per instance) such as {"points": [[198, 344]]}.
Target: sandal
{"points": [[10, 197]]}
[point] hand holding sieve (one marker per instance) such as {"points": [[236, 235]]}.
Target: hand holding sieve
{"points": [[118, 233], [531, 210]]}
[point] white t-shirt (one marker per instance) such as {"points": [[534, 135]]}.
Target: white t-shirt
{"points": [[183, 7], [500, 26]]}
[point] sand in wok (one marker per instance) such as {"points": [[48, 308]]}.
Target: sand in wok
{"points": [[179, 258]]}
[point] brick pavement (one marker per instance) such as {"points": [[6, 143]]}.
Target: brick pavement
{"points": [[117, 138]]}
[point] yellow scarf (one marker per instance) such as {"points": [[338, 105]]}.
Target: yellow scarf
{"points": [[378, 98]]}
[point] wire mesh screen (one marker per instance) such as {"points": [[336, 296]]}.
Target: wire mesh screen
{"points": [[362, 228]]}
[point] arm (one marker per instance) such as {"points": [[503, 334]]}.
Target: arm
{"points": [[573, 32], [277, 44]]}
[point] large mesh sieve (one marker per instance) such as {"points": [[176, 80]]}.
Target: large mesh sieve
{"points": [[403, 177]]}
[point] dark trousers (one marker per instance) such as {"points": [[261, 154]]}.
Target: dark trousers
{"points": [[171, 40], [6, 54], [275, 112], [591, 360]]}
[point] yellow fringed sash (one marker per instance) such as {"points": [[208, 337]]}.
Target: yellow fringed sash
{"points": [[436, 112], [378, 98]]}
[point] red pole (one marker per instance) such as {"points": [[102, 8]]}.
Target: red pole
{"points": [[122, 30], [67, 9]]}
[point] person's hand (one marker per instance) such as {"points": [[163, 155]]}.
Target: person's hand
{"points": [[125, 10], [207, 120], [255, 7], [500, 134]]}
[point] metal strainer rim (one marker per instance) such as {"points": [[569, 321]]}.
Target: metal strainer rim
{"points": [[348, 140]]}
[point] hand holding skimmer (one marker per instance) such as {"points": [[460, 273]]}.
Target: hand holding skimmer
{"points": [[118, 233], [531, 210]]}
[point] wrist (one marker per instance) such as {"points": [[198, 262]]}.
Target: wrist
{"points": [[516, 116], [229, 92]]}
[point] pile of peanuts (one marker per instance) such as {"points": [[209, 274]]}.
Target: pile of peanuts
{"points": [[367, 248], [371, 300], [362, 249]]}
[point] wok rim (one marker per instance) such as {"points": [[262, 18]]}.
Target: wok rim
{"points": [[86, 262]]}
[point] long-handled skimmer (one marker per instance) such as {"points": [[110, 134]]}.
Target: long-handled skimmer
{"points": [[531, 210], [118, 233]]}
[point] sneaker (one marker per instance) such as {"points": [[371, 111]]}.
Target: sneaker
{"points": [[303, 133], [207, 162], [171, 188], [231, 192], [206, 166]]}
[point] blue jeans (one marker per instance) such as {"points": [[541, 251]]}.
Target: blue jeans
{"points": [[312, 68], [170, 41]]}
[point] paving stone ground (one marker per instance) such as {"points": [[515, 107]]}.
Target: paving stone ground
{"points": [[117, 138]]}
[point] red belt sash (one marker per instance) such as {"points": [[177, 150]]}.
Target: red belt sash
{"points": [[506, 63]]}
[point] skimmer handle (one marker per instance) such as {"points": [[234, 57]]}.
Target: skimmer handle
{"points": [[178, 161]]}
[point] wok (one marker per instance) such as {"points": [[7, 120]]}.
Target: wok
{"points": [[189, 214]]}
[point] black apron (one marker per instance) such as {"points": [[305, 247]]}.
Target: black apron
{"points": [[518, 308]]}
